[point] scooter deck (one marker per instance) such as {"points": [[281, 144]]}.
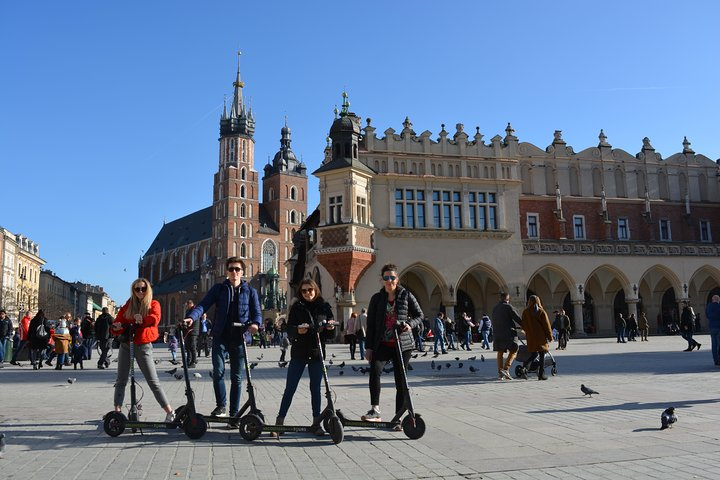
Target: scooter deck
{"points": [[366, 423]]}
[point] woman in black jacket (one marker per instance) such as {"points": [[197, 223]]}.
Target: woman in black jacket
{"points": [[309, 315], [393, 307], [38, 343]]}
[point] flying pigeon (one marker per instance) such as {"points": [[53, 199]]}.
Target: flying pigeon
{"points": [[588, 391], [282, 364], [72, 380], [432, 364], [171, 372], [178, 376], [472, 359], [253, 365], [472, 369], [2, 445], [667, 418], [197, 375]]}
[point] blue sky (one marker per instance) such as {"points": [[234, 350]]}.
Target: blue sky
{"points": [[109, 111]]}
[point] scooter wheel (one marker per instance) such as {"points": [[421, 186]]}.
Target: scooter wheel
{"points": [[251, 426], [335, 429], [326, 423], [518, 371], [180, 413], [413, 430], [195, 426], [114, 423], [554, 370]]}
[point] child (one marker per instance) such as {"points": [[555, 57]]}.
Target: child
{"points": [[78, 353], [173, 346], [62, 341]]}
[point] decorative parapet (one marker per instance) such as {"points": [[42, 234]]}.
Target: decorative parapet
{"points": [[531, 247], [446, 234]]}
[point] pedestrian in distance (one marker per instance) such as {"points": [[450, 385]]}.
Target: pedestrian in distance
{"points": [[620, 326], [237, 310], [393, 308], [204, 335], [505, 321], [309, 317], [439, 333], [102, 337], [23, 332], [465, 325], [172, 344], [62, 343], [87, 329], [485, 329], [192, 337], [142, 312], [361, 332], [632, 328], [538, 332], [38, 338], [350, 336], [712, 312], [644, 327], [78, 355], [5, 333], [687, 327]]}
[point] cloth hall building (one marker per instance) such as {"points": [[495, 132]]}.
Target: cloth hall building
{"points": [[598, 231]]}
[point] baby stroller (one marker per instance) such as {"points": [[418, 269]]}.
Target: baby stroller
{"points": [[523, 355]]}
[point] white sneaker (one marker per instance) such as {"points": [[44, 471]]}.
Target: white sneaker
{"points": [[506, 375], [170, 417]]}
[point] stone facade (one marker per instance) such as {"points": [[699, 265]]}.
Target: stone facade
{"points": [[20, 280], [596, 232]]}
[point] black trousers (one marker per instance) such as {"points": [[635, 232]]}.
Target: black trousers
{"points": [[191, 349], [380, 357], [541, 365], [104, 344]]}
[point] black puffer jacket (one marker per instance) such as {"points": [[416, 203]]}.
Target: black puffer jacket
{"points": [[304, 347], [408, 310]]}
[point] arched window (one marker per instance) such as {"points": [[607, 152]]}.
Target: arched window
{"points": [[242, 191], [269, 256], [234, 229], [271, 194], [574, 181], [620, 188], [293, 193], [243, 231], [242, 173], [292, 216], [243, 251], [234, 209], [242, 210], [234, 249]]}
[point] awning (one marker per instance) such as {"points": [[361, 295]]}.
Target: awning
{"points": [[97, 307]]}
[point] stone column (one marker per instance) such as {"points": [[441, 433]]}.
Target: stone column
{"points": [[450, 311], [578, 330], [632, 307]]}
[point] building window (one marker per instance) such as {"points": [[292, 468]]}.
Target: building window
{"points": [[269, 255], [579, 227], [705, 235], [293, 218], [409, 208], [243, 251], [243, 230], [665, 234], [242, 210], [243, 173], [361, 207], [483, 210], [447, 209], [335, 209], [533, 225], [293, 193], [623, 231], [242, 191]]}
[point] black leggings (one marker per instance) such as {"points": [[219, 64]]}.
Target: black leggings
{"points": [[380, 357]]}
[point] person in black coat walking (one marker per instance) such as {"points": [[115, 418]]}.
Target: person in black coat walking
{"points": [[38, 342], [687, 327], [392, 308], [192, 337], [102, 336]]}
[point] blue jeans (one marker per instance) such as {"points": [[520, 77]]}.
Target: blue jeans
{"points": [[235, 351], [485, 342], [620, 334], [451, 339], [439, 339], [295, 371], [467, 340], [20, 346], [715, 344], [60, 359], [89, 344], [361, 344], [2, 350], [687, 335]]}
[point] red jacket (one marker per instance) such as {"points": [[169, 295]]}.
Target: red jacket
{"points": [[147, 331], [24, 326]]}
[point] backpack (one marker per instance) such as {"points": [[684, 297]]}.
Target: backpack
{"points": [[40, 331]]}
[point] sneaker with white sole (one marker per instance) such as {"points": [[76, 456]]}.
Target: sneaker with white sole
{"points": [[170, 417], [371, 416], [219, 412]]}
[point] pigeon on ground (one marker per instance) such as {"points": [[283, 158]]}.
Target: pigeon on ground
{"points": [[197, 375], [472, 359], [72, 380], [448, 365], [667, 418], [260, 357], [432, 364], [282, 364], [341, 372], [460, 365], [342, 365], [363, 370], [332, 355], [410, 367], [330, 362], [253, 365], [457, 359], [472, 369], [171, 372], [439, 367], [482, 358], [157, 362], [178, 376], [355, 369], [588, 391], [414, 355], [425, 354]]}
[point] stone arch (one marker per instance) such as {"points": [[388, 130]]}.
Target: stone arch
{"points": [[702, 283], [481, 283], [602, 286], [553, 276], [427, 284], [526, 178]]}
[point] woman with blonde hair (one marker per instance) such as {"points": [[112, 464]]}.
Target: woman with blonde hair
{"points": [[538, 333], [144, 312]]}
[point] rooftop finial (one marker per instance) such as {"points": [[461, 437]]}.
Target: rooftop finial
{"points": [[238, 82], [335, 111], [686, 146], [602, 137], [345, 105]]}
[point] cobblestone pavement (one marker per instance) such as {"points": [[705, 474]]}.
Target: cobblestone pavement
{"points": [[477, 426]]}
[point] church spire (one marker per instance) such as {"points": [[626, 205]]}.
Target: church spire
{"points": [[241, 119], [237, 106]]}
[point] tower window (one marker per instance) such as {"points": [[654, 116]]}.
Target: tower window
{"points": [[293, 193], [623, 230], [665, 234], [533, 225], [334, 209], [242, 173], [579, 227], [242, 191], [705, 235]]}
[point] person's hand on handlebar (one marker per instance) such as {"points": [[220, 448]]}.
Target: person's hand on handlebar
{"points": [[330, 325], [253, 328]]}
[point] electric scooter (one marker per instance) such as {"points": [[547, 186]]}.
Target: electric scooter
{"points": [[192, 423], [253, 424], [413, 425]]}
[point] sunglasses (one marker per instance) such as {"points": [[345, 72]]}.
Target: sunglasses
{"points": [[235, 269], [307, 290], [140, 289], [389, 278]]}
